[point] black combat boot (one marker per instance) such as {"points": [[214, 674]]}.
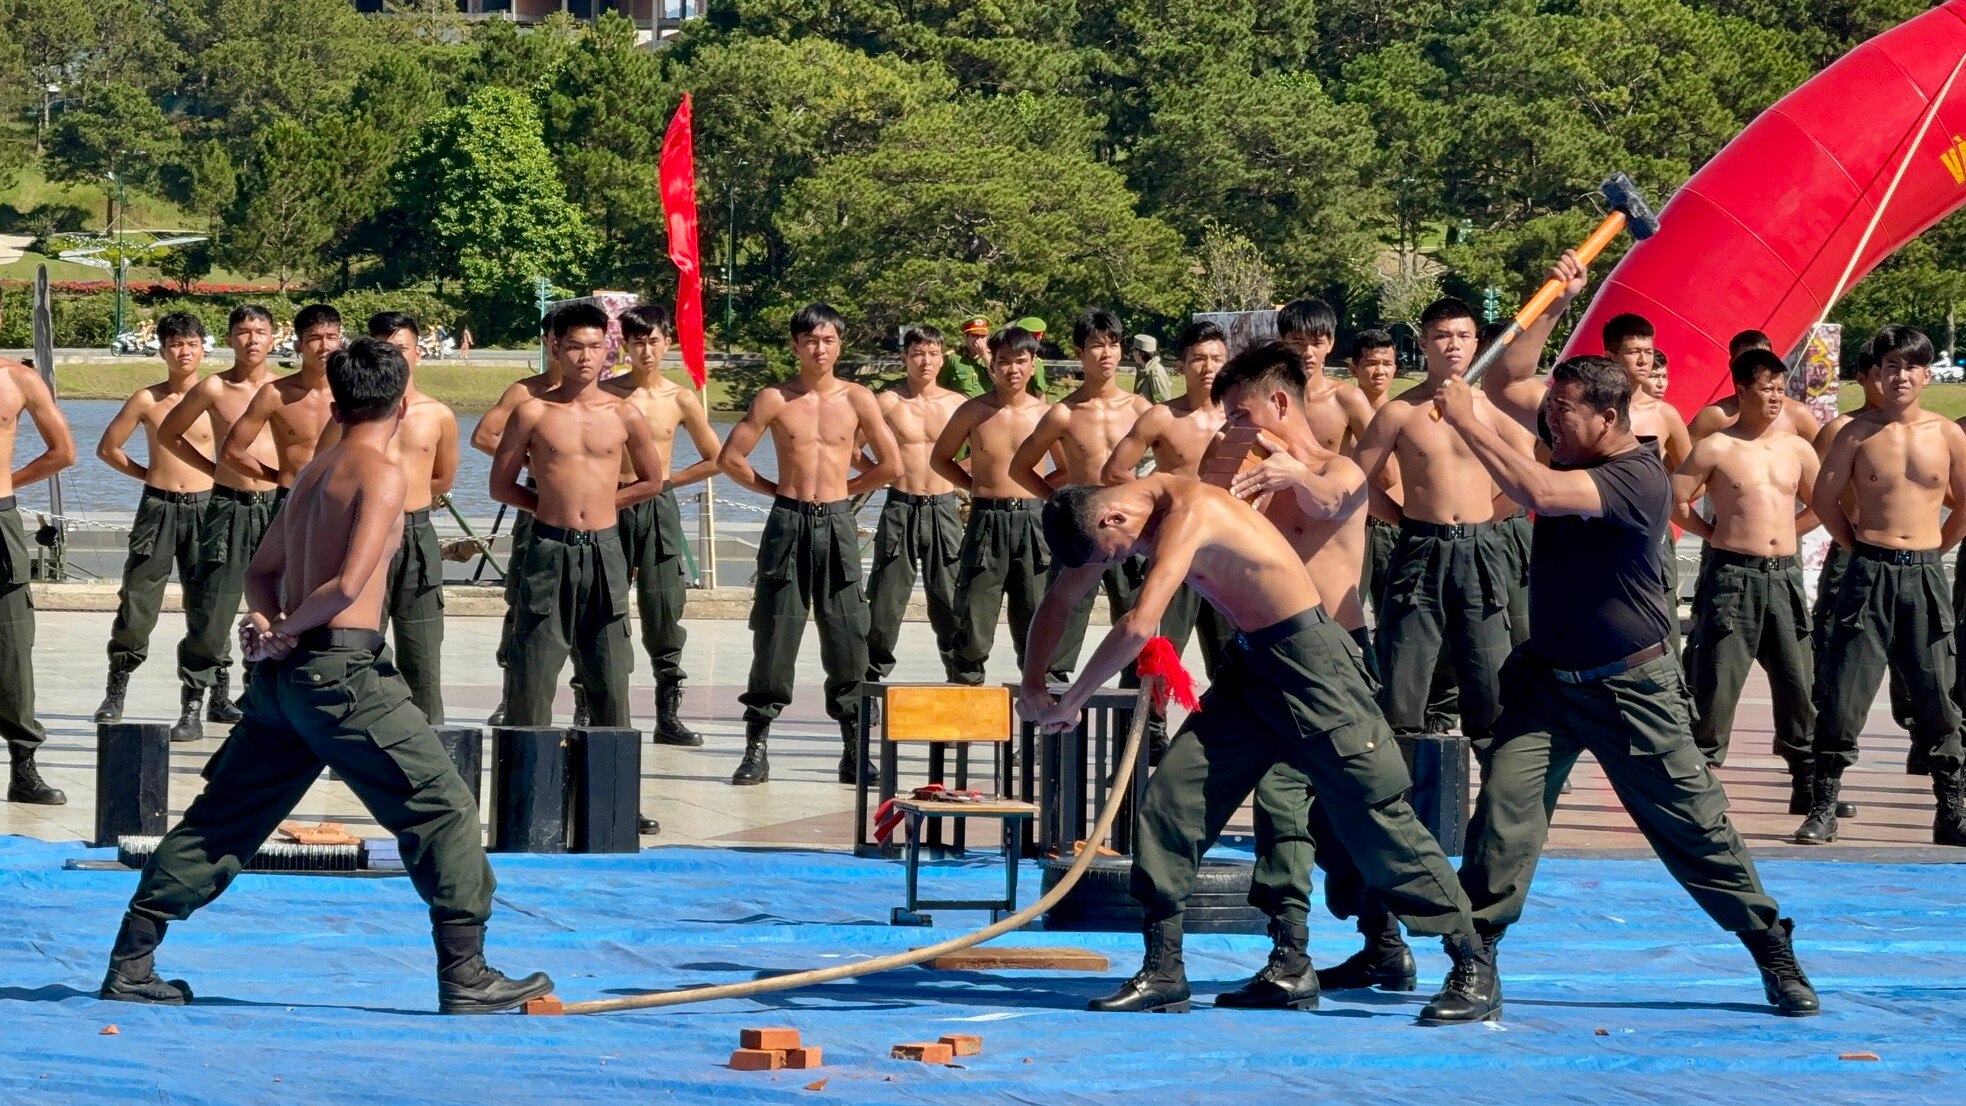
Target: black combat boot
{"points": [[1385, 962], [113, 695], [755, 767], [467, 985], [1820, 827], [220, 707], [132, 975], [581, 717], [1473, 992], [1787, 988], [497, 716], [1802, 792], [669, 728], [1287, 982], [647, 826], [187, 727], [1161, 984], [1917, 761], [1949, 821], [26, 786], [849, 752]]}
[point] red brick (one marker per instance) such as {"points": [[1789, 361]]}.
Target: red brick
{"points": [[1858, 1056], [780, 1039], [551, 1004], [925, 1051], [803, 1057], [964, 1044], [757, 1059]]}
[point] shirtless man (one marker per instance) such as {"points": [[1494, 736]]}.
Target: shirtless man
{"points": [[1796, 416], [809, 554], [1753, 604], [1903, 462], [1514, 387], [571, 590], [1179, 434], [921, 527], [23, 392], [1375, 362], [1447, 584], [1296, 691], [1338, 411], [315, 595], [484, 439], [426, 446], [293, 409], [1003, 551], [175, 497], [1083, 428], [240, 508], [652, 531]]}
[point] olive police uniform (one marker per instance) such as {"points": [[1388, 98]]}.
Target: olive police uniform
{"points": [[808, 562], [570, 595], [414, 608], [1750, 609], [653, 541], [17, 720], [165, 533], [228, 537], [1004, 556], [918, 536], [1446, 595]]}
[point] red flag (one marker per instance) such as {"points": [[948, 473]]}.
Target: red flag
{"points": [[679, 206]]}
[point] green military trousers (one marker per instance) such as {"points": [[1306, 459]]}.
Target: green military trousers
{"points": [[413, 610], [1635, 725], [1836, 563], [1121, 585], [228, 537], [808, 562], [17, 721], [1188, 614], [1892, 611], [919, 536], [165, 533], [1447, 595], [652, 537], [1296, 692], [571, 596], [1749, 610], [336, 700], [1443, 698], [1004, 556]]}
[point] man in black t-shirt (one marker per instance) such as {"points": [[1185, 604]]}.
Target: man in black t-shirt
{"points": [[1596, 675]]}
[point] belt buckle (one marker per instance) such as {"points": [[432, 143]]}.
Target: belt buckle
{"points": [[1901, 557]]}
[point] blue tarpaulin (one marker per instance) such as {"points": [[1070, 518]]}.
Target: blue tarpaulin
{"points": [[320, 990]]}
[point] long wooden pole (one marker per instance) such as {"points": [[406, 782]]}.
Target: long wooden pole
{"points": [[1142, 705]]}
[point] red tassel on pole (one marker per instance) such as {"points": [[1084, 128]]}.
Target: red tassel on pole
{"points": [[678, 179], [1159, 661]]}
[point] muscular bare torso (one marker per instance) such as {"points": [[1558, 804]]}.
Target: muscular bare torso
{"points": [[1092, 427], [993, 441], [229, 400], [575, 455], [813, 435], [1184, 439], [1338, 413], [917, 421], [415, 448], [1899, 474], [1752, 486], [1333, 549], [661, 407], [296, 424], [1440, 479], [165, 471]]}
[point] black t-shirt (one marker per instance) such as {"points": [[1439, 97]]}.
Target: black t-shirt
{"points": [[1596, 585]]}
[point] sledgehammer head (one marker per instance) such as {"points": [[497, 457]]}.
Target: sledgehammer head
{"points": [[1625, 197]]}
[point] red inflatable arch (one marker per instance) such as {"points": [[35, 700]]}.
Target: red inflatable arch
{"points": [[1760, 235]]}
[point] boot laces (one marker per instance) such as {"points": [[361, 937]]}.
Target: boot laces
{"points": [[1778, 959]]}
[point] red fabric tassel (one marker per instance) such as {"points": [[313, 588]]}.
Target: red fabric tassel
{"points": [[1159, 661]]}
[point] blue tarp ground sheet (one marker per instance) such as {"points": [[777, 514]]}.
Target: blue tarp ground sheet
{"points": [[319, 990]]}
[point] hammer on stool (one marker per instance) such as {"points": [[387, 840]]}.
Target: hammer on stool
{"points": [[1628, 210]]}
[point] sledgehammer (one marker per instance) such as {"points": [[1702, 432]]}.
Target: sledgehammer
{"points": [[1628, 210]]}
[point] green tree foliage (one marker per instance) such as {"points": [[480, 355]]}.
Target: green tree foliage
{"points": [[280, 223], [119, 130], [483, 206]]}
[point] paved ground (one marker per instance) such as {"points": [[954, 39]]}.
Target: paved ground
{"points": [[687, 789]]}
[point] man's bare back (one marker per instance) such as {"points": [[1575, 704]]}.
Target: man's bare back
{"points": [[358, 491]]}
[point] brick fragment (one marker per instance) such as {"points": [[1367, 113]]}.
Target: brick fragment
{"points": [[928, 1052]]}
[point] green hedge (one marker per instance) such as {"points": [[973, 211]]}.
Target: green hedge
{"points": [[84, 320]]}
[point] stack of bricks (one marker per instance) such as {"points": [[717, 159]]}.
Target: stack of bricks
{"points": [[772, 1049]]}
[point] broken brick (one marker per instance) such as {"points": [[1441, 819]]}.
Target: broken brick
{"points": [[1858, 1056], [964, 1044], [757, 1059], [110, 1031], [780, 1039], [803, 1057], [816, 1085], [928, 1052]]}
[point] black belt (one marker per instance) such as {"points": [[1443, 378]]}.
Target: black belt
{"points": [[237, 495], [570, 537], [910, 499], [175, 497], [1279, 631], [1870, 552], [413, 519], [1447, 531], [1011, 503], [8, 503], [1606, 671], [330, 637], [1746, 560], [1375, 522], [800, 506]]}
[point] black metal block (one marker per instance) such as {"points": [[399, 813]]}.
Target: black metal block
{"points": [[1442, 785], [529, 791], [133, 779], [466, 747], [606, 770]]}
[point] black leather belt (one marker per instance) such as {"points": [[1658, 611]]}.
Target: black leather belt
{"points": [[1010, 503], [1449, 531], [175, 497], [238, 495], [1606, 671], [412, 519], [8, 503], [1746, 560], [910, 499], [1870, 552], [800, 506], [328, 637], [570, 537], [1278, 631]]}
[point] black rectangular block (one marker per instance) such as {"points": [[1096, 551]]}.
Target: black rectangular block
{"points": [[133, 779], [1442, 786], [466, 747], [528, 812], [606, 772]]}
